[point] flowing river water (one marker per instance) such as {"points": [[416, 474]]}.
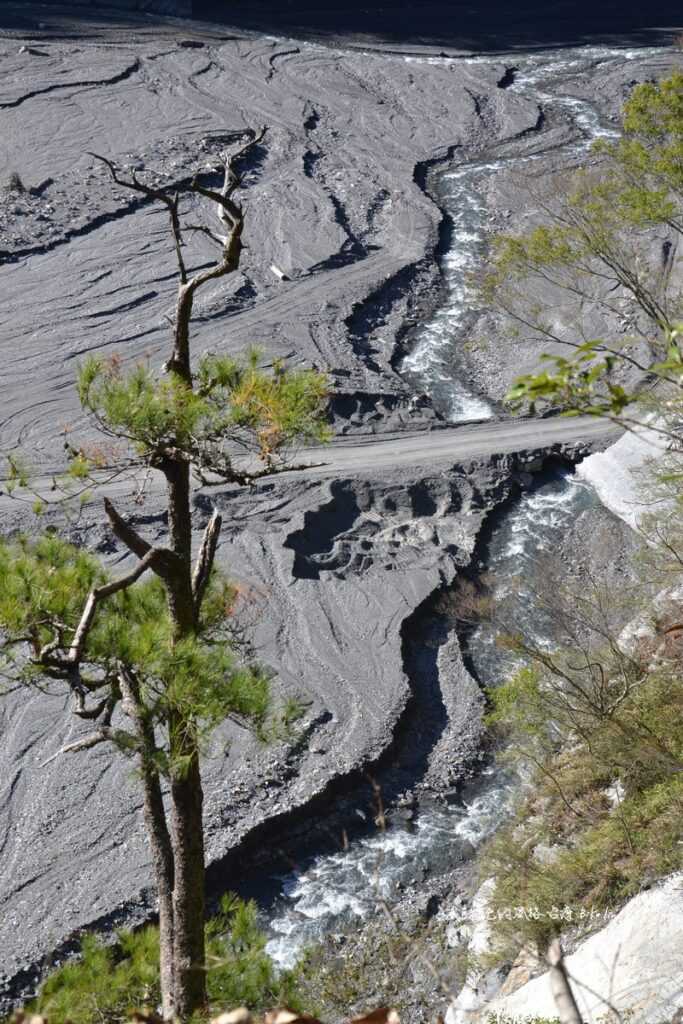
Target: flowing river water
{"points": [[334, 890]]}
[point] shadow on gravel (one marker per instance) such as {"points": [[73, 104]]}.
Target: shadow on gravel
{"points": [[493, 25]]}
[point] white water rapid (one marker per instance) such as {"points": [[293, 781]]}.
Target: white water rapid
{"points": [[433, 364], [332, 890]]}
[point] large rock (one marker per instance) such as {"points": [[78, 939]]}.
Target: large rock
{"points": [[480, 984], [633, 966], [620, 473]]}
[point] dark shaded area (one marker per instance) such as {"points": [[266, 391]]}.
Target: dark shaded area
{"points": [[321, 527], [26, 17], [496, 25], [493, 26]]}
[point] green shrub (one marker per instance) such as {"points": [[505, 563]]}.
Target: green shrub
{"points": [[108, 981], [409, 968], [240, 972], [601, 815]]}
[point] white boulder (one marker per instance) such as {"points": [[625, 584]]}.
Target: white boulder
{"points": [[617, 473], [634, 966]]}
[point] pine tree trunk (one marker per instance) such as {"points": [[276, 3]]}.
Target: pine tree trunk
{"points": [[187, 829], [567, 1010], [162, 860], [188, 890], [166, 954], [157, 835]]}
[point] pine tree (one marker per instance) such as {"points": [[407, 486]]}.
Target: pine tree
{"points": [[148, 656]]}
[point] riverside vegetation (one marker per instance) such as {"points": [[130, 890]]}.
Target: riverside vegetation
{"points": [[596, 727], [109, 981]]}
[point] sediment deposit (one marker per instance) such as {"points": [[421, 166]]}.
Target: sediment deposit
{"points": [[337, 559]]}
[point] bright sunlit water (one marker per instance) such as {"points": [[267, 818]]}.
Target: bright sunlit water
{"points": [[333, 890], [433, 364], [336, 889]]}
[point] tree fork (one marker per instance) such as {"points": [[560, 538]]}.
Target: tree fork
{"points": [[160, 696]]}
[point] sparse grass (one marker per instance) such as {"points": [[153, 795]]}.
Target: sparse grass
{"points": [[601, 816], [374, 965]]}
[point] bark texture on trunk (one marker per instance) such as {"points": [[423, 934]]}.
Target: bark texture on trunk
{"points": [[187, 828], [178, 853], [188, 889], [567, 1010], [157, 835]]}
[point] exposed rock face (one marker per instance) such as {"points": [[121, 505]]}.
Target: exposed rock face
{"points": [[479, 984], [620, 473], [633, 966]]}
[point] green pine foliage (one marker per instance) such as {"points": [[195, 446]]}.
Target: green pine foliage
{"points": [[159, 650], [201, 677], [587, 244], [107, 982], [596, 731], [230, 399], [239, 971], [45, 583]]}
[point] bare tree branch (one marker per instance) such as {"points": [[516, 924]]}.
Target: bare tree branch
{"points": [[171, 203], [202, 228], [98, 594], [90, 714], [162, 561], [205, 559], [228, 213], [232, 217], [102, 735], [125, 532], [567, 1010]]}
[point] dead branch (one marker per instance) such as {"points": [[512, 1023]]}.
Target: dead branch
{"points": [[98, 594], [125, 532], [170, 202], [567, 1010], [230, 215], [202, 228], [233, 218], [89, 714], [102, 735], [162, 561], [205, 559]]}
